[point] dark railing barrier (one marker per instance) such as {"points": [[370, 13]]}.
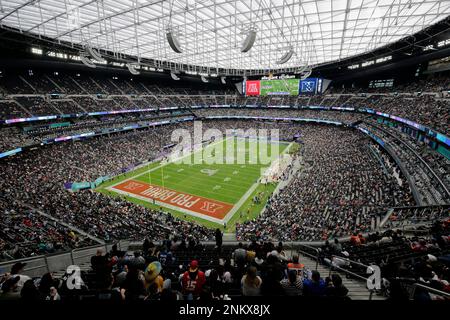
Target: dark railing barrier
{"points": [[309, 251], [39, 265], [443, 294]]}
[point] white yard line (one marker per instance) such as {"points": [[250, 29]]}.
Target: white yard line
{"points": [[244, 198], [162, 165], [238, 204]]}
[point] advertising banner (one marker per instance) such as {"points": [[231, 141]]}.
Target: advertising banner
{"points": [[252, 87], [309, 85]]}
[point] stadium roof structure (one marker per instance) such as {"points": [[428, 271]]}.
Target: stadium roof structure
{"points": [[211, 32]]}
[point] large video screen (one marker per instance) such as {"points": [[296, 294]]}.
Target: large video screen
{"points": [[292, 87], [279, 87]]}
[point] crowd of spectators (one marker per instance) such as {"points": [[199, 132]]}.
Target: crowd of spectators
{"points": [[416, 215], [345, 117], [429, 108], [89, 125], [25, 233], [339, 191], [12, 138], [329, 198], [421, 257], [427, 169], [37, 178], [182, 269]]}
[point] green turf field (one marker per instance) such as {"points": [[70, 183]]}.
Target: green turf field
{"points": [[234, 181]]}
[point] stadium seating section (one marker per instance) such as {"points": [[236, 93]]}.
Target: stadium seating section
{"points": [[349, 184]]}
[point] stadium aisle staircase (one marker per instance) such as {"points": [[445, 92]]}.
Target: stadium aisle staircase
{"points": [[357, 288]]}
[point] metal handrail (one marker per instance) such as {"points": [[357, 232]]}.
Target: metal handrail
{"points": [[316, 257], [417, 156], [429, 289], [348, 272], [351, 261], [23, 259], [413, 282], [360, 277]]}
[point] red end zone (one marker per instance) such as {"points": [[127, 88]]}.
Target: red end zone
{"points": [[209, 207]]}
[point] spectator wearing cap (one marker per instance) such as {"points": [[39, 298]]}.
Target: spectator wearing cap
{"points": [[193, 280], [17, 270]]}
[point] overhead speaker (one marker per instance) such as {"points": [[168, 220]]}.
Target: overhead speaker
{"points": [[174, 76], [286, 57], [306, 74], [301, 69], [132, 67], [173, 42], [249, 41], [204, 79], [222, 79], [94, 53], [87, 62]]}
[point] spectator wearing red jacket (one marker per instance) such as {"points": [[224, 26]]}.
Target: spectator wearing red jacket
{"points": [[193, 280], [355, 239]]}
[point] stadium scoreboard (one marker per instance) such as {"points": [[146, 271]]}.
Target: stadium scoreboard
{"points": [[292, 87]]}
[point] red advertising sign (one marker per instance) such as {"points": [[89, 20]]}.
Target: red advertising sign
{"points": [[252, 87], [209, 207]]}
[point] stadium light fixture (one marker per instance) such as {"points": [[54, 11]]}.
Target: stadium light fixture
{"points": [[286, 57], [132, 67], [306, 74], [173, 42], [249, 41], [174, 76], [86, 61], [94, 53]]}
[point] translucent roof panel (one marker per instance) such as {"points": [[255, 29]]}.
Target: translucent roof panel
{"points": [[211, 32]]}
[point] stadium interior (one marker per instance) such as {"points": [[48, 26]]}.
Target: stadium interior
{"points": [[355, 203]]}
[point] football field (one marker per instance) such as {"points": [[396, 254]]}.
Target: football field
{"points": [[211, 184]]}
